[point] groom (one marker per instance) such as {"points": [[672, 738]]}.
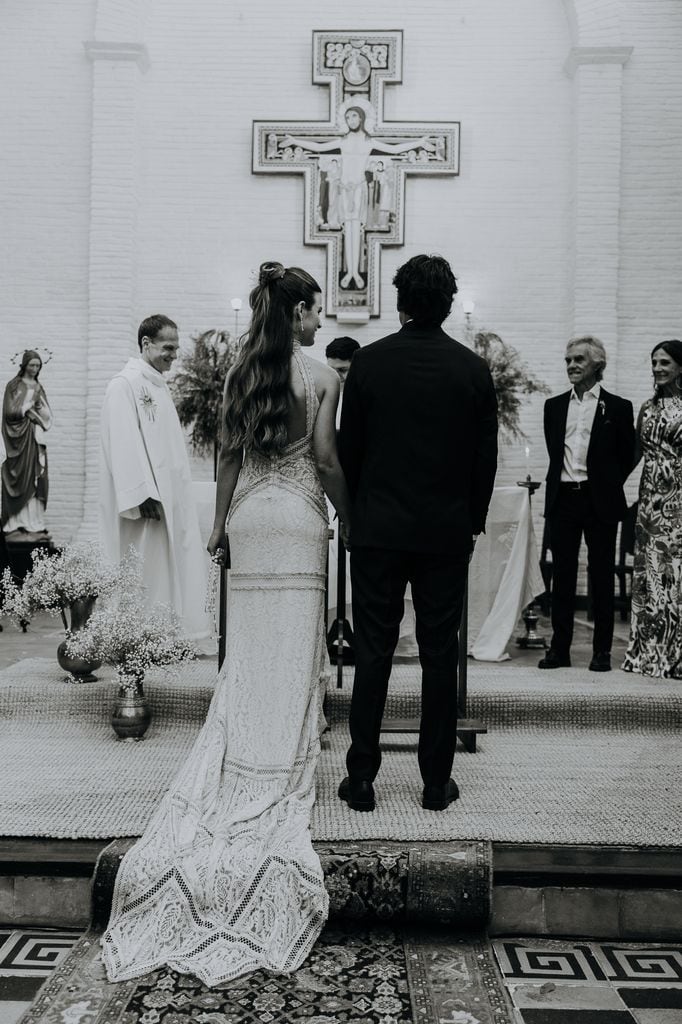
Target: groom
{"points": [[418, 445]]}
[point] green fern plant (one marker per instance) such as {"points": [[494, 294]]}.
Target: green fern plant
{"points": [[197, 387], [512, 380]]}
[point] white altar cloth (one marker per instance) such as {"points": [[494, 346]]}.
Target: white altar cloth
{"points": [[504, 576]]}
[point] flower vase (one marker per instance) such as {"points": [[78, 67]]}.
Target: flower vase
{"points": [[79, 669], [131, 715]]}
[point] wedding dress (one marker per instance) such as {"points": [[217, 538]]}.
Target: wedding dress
{"points": [[225, 880]]}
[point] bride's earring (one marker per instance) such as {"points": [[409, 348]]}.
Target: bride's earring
{"points": [[678, 379]]}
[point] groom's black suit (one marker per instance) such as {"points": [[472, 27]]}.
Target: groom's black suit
{"points": [[418, 445]]}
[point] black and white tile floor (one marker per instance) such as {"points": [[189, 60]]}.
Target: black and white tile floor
{"points": [[27, 956], [551, 981], [554, 981]]}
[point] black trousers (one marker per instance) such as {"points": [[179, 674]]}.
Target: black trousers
{"points": [[379, 578], [573, 516]]}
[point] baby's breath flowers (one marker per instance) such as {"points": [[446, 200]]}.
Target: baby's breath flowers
{"points": [[132, 636], [56, 581]]}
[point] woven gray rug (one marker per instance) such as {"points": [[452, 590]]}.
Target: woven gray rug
{"points": [[64, 775]]}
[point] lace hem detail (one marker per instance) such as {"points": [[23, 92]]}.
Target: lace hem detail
{"points": [[275, 581]]}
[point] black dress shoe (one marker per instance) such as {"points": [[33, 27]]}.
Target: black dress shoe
{"points": [[554, 660], [601, 662], [358, 794], [437, 798]]}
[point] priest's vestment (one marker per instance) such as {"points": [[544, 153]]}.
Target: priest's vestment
{"points": [[143, 455]]}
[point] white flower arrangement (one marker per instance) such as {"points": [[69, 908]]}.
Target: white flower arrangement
{"points": [[129, 634], [56, 581]]}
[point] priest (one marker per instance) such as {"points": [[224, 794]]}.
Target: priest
{"points": [[145, 483]]}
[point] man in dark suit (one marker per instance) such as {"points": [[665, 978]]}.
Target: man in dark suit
{"points": [[591, 440], [418, 445]]}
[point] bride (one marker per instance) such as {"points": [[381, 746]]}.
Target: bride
{"points": [[225, 879]]}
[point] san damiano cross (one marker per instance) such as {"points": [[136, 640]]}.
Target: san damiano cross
{"points": [[354, 165]]}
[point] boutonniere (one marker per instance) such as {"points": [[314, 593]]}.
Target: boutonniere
{"points": [[602, 406], [148, 404]]}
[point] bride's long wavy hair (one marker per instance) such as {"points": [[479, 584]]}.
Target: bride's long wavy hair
{"points": [[256, 391]]}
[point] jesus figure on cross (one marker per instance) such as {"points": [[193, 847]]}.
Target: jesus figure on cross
{"points": [[355, 146]]}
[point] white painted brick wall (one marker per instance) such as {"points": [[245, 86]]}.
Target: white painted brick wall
{"points": [[44, 217], [199, 222]]}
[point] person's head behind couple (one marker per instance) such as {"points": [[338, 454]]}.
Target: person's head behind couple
{"points": [[286, 308]]}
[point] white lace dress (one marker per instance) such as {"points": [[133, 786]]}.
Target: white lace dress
{"points": [[225, 879]]}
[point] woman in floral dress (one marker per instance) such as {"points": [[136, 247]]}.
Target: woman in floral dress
{"points": [[655, 647]]}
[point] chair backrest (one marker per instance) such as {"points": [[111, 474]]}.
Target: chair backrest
{"points": [[627, 534]]}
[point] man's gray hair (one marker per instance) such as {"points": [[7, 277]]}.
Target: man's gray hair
{"points": [[596, 349]]}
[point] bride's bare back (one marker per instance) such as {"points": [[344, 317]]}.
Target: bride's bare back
{"points": [[296, 411]]}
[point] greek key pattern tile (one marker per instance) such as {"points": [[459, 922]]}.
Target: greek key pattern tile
{"points": [[613, 963], [33, 954]]}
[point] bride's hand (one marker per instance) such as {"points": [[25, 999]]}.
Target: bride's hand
{"points": [[216, 547]]}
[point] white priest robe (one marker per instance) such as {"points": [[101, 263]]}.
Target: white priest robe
{"points": [[143, 455]]}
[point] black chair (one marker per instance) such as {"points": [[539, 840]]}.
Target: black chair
{"points": [[625, 552]]}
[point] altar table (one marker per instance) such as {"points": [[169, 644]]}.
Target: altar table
{"points": [[504, 576]]}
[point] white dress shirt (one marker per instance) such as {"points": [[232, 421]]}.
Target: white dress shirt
{"points": [[578, 429]]}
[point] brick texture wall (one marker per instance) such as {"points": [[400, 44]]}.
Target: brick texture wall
{"points": [[129, 191]]}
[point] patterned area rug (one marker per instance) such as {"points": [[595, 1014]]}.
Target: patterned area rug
{"points": [[364, 975], [618, 781], [447, 883]]}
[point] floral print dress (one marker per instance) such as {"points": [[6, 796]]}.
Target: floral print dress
{"points": [[655, 647]]}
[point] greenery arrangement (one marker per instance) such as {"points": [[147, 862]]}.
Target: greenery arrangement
{"points": [[512, 380], [130, 634], [197, 386], [57, 581]]}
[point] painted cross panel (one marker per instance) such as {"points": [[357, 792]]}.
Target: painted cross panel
{"points": [[354, 165]]}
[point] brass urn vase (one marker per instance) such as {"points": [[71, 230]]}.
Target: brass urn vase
{"points": [[131, 715], [80, 670]]}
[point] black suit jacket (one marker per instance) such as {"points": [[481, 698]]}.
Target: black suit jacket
{"points": [[418, 442], [610, 454]]}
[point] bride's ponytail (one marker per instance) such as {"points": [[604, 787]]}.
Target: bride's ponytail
{"points": [[256, 391]]}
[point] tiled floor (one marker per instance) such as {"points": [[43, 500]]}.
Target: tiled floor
{"points": [[555, 981], [26, 958], [550, 981]]}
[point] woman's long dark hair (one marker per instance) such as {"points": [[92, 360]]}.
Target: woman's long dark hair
{"points": [[256, 391], [673, 348]]}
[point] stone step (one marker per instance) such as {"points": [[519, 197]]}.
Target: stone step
{"points": [[625, 893]]}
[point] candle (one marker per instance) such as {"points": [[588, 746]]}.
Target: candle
{"points": [[528, 461]]}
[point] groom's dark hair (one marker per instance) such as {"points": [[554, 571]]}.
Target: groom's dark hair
{"points": [[426, 287]]}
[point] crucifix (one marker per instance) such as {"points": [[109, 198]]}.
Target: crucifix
{"points": [[354, 164]]}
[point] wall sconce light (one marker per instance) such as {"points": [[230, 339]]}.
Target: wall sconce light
{"points": [[468, 307], [236, 306]]}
